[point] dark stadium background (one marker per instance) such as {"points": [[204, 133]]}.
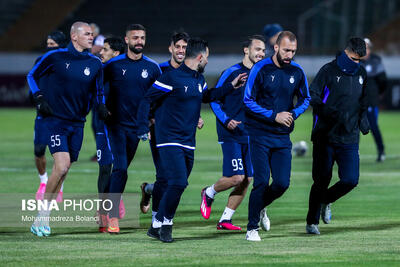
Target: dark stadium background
{"points": [[322, 27]]}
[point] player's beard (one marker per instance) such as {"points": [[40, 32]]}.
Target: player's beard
{"points": [[177, 60], [201, 68], [281, 62], [253, 59], [135, 50]]}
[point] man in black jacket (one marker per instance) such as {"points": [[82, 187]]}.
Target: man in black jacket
{"points": [[339, 104], [376, 85]]}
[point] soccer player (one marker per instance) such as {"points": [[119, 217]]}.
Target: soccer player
{"points": [[177, 48], [339, 101], [54, 40], [98, 41], [376, 85], [113, 47], [271, 32], [180, 93], [237, 169], [270, 113], [129, 75], [73, 77]]}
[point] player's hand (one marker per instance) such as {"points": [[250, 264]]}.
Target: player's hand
{"points": [[144, 137], [364, 125], [232, 124], [103, 112], [284, 118], [200, 123], [239, 81], [41, 105]]}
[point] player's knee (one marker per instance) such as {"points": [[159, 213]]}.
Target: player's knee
{"points": [[160, 184], [177, 183], [62, 168], [105, 170], [318, 185], [260, 183], [119, 173], [237, 179], [39, 150], [280, 187], [351, 183]]}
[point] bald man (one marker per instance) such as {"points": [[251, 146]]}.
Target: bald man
{"points": [[74, 77]]}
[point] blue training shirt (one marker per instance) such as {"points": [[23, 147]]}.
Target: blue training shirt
{"points": [[181, 93], [72, 79], [270, 90], [166, 66], [129, 81], [231, 107]]}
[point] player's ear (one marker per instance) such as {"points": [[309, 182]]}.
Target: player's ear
{"points": [[276, 47], [170, 48], [246, 50], [73, 36], [116, 53], [126, 40]]}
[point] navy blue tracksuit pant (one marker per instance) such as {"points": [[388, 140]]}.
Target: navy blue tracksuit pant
{"points": [[124, 143], [161, 182], [269, 154], [177, 164], [324, 156], [372, 115]]}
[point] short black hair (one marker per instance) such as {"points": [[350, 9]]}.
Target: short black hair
{"points": [[177, 36], [135, 27], [116, 44], [195, 47], [357, 45], [58, 37], [249, 40], [287, 34]]}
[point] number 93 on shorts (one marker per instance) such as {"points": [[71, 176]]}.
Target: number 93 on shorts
{"points": [[236, 159]]}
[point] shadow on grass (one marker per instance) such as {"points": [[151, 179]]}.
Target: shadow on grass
{"points": [[332, 230]]}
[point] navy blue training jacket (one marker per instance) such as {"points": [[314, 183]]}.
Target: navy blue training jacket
{"points": [[270, 90]]}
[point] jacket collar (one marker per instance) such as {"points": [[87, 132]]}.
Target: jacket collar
{"points": [[186, 69], [75, 52]]}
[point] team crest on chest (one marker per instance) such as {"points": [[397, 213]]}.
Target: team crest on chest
{"points": [[360, 80], [272, 78], [338, 78], [123, 72], [291, 80], [186, 87], [145, 74], [67, 65], [86, 71], [200, 88]]}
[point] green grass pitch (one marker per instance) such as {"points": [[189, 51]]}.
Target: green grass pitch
{"points": [[365, 230]]}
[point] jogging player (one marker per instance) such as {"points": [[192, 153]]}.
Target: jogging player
{"points": [[129, 76], [113, 47], [180, 93], [338, 98], [54, 40], [237, 170], [73, 77], [270, 113]]}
